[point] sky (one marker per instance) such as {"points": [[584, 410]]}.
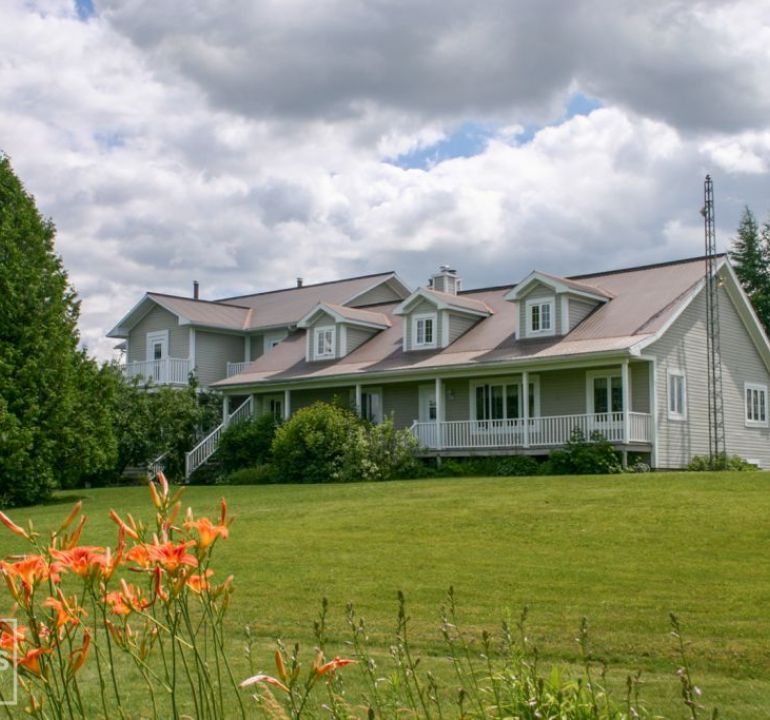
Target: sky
{"points": [[244, 143]]}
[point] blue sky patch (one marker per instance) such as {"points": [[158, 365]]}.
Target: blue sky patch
{"points": [[471, 138], [85, 9]]}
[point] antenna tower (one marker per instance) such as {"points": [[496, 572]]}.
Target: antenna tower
{"points": [[713, 350]]}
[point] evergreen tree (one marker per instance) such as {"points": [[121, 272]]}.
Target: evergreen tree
{"points": [[46, 435], [750, 254]]}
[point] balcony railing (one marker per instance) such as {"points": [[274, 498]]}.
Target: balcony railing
{"points": [[236, 368], [551, 431], [168, 371]]}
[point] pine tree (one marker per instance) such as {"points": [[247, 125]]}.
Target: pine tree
{"points": [[750, 254], [41, 369]]}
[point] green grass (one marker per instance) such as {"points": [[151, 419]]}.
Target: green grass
{"points": [[623, 551]]}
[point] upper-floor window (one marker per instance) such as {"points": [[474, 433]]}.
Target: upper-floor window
{"points": [[324, 342], [677, 395], [540, 317], [756, 404], [424, 330]]}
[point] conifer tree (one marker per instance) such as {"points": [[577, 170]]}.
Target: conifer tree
{"points": [[41, 369], [750, 254]]}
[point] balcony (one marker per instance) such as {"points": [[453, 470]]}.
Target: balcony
{"points": [[537, 432], [167, 371], [236, 368]]}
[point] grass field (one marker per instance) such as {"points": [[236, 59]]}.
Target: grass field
{"points": [[623, 551]]}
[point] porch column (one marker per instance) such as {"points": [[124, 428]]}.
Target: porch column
{"points": [[439, 412], [254, 412], [525, 405], [358, 400], [191, 352], [286, 404], [626, 401], [225, 410]]}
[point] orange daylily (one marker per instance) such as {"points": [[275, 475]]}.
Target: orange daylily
{"points": [[261, 678], [126, 600], [13, 527], [78, 657], [11, 636], [66, 611], [332, 665], [198, 583], [129, 530], [30, 570], [31, 659], [207, 531], [172, 556], [84, 561]]}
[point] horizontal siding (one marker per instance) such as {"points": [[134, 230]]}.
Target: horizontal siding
{"points": [[423, 308], [562, 392], [540, 293], [457, 400], [158, 319], [579, 310], [304, 398], [357, 337], [683, 348], [401, 401], [212, 353], [640, 386], [459, 325], [323, 322], [257, 346]]}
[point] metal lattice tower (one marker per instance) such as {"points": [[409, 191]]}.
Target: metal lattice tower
{"points": [[716, 418]]}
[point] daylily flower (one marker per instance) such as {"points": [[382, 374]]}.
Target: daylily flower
{"points": [[207, 531], [11, 636], [125, 527], [84, 561], [78, 657], [13, 527], [126, 600], [31, 659], [172, 556], [261, 678], [66, 611], [197, 583], [332, 666], [30, 570]]}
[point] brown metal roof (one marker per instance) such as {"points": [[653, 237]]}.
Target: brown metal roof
{"points": [[200, 312], [643, 300], [358, 315]]}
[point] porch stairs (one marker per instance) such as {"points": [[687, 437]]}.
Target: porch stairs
{"points": [[208, 446]]}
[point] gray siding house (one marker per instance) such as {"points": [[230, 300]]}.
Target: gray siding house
{"points": [[501, 370]]}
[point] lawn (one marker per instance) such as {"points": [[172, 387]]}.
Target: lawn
{"points": [[623, 551]]}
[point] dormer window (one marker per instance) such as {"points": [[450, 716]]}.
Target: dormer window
{"points": [[424, 330], [324, 342], [540, 317]]}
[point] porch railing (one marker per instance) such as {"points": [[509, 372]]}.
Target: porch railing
{"points": [[236, 368], [167, 371], [208, 445], [548, 431]]}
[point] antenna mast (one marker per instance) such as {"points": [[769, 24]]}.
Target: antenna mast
{"points": [[716, 413]]}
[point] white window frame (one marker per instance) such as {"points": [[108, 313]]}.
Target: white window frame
{"points": [[747, 406], [154, 338], [540, 303], [534, 380], [421, 317], [673, 413], [609, 374], [330, 351], [376, 418], [270, 340]]}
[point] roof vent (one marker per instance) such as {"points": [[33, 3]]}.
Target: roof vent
{"points": [[445, 280], [196, 289]]}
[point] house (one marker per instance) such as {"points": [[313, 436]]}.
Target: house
{"points": [[499, 370]]}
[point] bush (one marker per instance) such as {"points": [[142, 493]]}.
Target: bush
{"points": [[514, 465], [720, 462], [584, 457], [257, 475], [246, 443], [312, 446], [380, 452]]}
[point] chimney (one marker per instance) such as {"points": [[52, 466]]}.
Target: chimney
{"points": [[299, 282], [196, 289], [445, 280]]}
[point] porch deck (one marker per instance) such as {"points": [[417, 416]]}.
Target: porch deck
{"points": [[536, 432]]}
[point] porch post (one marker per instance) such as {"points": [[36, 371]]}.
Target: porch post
{"points": [[225, 410], [286, 404], [525, 405], [439, 412], [358, 399], [191, 352], [626, 401]]}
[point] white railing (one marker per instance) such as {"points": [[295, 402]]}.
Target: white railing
{"points": [[157, 465], [168, 371], [236, 368], [208, 446], [536, 432]]}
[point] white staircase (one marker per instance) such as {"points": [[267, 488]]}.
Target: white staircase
{"points": [[207, 447]]}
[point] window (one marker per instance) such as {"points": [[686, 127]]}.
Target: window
{"points": [[424, 331], [502, 401], [371, 405], [324, 342], [540, 320], [677, 395], [756, 405], [605, 392]]}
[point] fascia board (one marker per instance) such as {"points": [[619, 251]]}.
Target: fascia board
{"points": [[128, 322]]}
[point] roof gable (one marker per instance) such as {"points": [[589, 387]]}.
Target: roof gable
{"points": [[349, 316], [558, 285], [444, 301]]}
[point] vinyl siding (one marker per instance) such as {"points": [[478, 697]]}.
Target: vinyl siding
{"points": [[562, 392], [257, 346], [683, 347], [357, 337], [459, 325], [212, 353], [579, 310], [459, 407], [640, 386], [158, 319], [305, 398], [401, 401], [383, 293], [422, 308], [324, 321], [538, 292]]}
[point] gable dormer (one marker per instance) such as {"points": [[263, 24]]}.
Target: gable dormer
{"points": [[334, 331], [435, 319], [550, 305]]}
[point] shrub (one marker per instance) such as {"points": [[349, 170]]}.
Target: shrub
{"points": [[246, 443], [515, 465], [258, 475], [380, 452], [584, 457], [720, 462], [313, 444]]}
